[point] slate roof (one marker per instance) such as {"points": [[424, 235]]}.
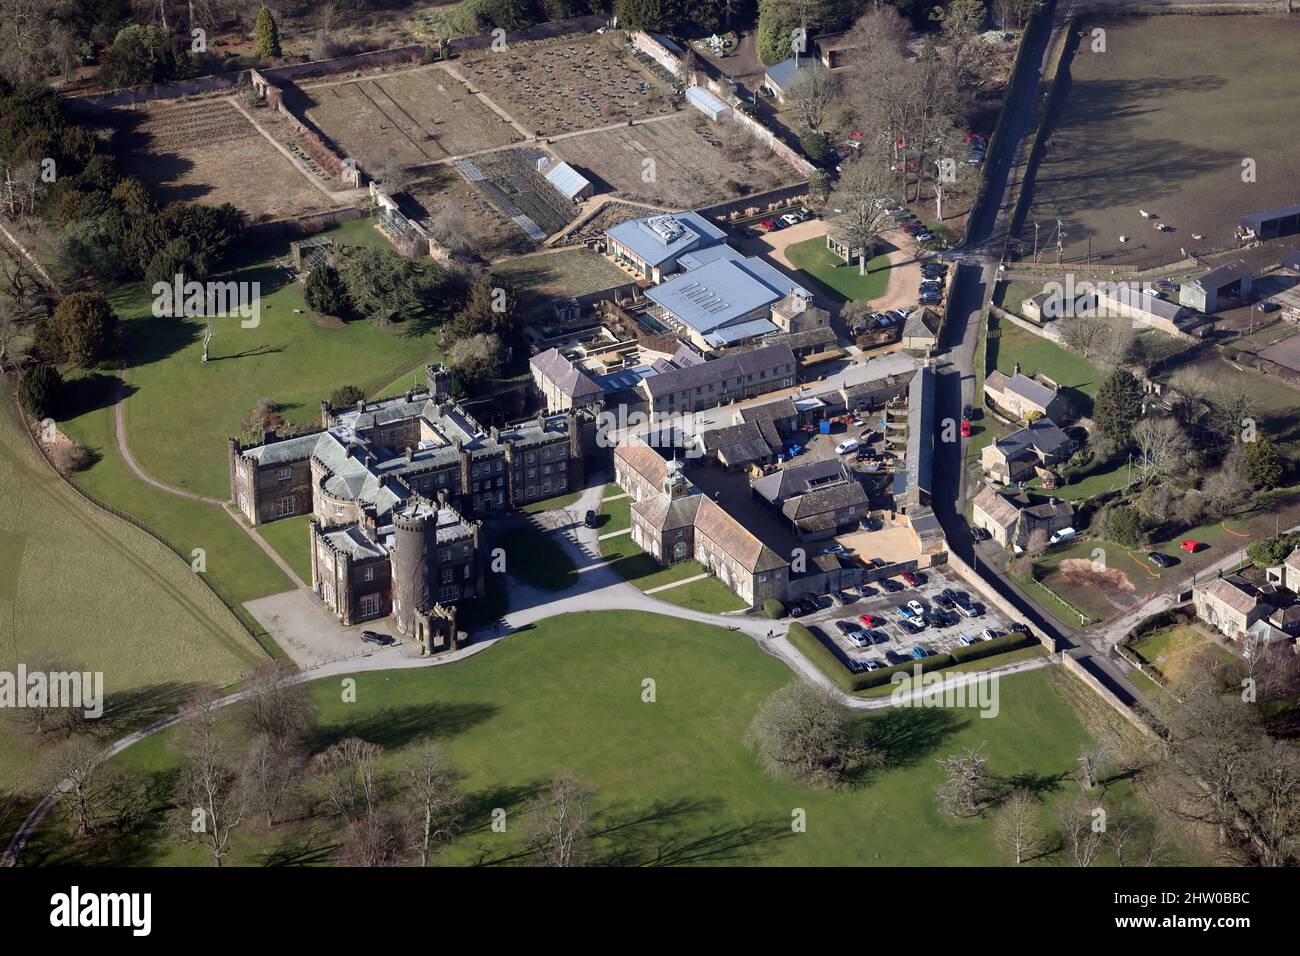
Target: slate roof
{"points": [[735, 539], [1043, 436], [568, 378], [1220, 276], [783, 74], [1135, 299], [718, 438], [920, 430], [1020, 384], [846, 494], [796, 480], [729, 366], [1233, 594], [997, 507]]}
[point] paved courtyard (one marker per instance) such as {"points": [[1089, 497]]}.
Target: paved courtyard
{"points": [[310, 635]]}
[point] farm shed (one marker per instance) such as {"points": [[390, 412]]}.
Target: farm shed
{"points": [[1282, 221], [707, 103], [1202, 293]]}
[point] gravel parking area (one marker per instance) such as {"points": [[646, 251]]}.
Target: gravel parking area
{"points": [[883, 604]]}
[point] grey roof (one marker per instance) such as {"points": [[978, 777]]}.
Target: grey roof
{"points": [[656, 239], [1043, 435], [797, 479], [721, 292], [718, 438], [706, 102], [841, 494], [729, 366], [730, 334], [351, 541], [1135, 299], [566, 179], [1220, 276], [568, 378], [1028, 388], [1255, 219], [783, 74], [284, 451], [920, 430], [702, 257]]}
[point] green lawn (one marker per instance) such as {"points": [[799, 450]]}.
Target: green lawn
{"points": [[537, 560], [288, 536], [709, 595], [675, 783], [1013, 344], [180, 411], [84, 590], [814, 258], [626, 557], [236, 566], [616, 515]]}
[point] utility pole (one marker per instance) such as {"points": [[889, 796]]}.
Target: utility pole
{"points": [[1035, 243]]}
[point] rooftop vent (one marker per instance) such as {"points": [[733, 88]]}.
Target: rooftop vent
{"points": [[667, 228]]}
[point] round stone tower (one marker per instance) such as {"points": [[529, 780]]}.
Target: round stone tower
{"points": [[411, 567]]}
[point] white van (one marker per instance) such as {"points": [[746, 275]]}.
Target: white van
{"points": [[846, 446], [1065, 534]]}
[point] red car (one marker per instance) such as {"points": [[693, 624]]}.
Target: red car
{"points": [[911, 579], [767, 225], [1190, 546], [965, 428], [870, 620]]}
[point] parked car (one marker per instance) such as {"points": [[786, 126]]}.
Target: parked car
{"points": [[989, 633], [791, 219], [846, 446], [870, 620], [835, 548], [847, 627], [878, 637], [872, 665], [1065, 534], [894, 657], [980, 534], [1168, 285], [913, 625], [1190, 545], [966, 640], [589, 519], [911, 578], [921, 653], [374, 637], [868, 523], [926, 236], [1161, 560], [934, 270], [967, 412], [866, 590], [891, 586], [928, 298], [1019, 628], [965, 428], [916, 607], [968, 610], [943, 602], [951, 595], [1268, 306], [857, 639]]}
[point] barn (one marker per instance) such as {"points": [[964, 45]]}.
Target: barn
{"points": [[1232, 279], [1272, 223]]}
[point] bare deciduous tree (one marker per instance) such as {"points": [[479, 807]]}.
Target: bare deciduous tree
{"points": [[349, 773], [208, 793], [804, 733], [966, 792], [1082, 832], [812, 93], [1091, 763], [858, 207], [560, 822], [271, 769], [1083, 333], [278, 705], [1162, 448], [1016, 825], [433, 798]]}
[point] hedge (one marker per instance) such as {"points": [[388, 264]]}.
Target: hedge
{"points": [[831, 662], [773, 609]]}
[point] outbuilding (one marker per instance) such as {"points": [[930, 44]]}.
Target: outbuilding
{"points": [[707, 103]]}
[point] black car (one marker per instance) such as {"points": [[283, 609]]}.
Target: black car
{"points": [[590, 519], [374, 637], [890, 585], [1161, 560], [944, 602], [933, 271], [847, 627], [980, 534], [967, 413], [896, 658], [796, 609]]}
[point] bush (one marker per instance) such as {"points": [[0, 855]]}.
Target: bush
{"points": [[346, 396], [80, 330], [816, 147], [39, 391], [773, 609], [1124, 525], [324, 290], [70, 457]]}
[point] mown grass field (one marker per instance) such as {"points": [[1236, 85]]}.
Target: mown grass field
{"points": [[288, 536], [180, 411], [675, 783], [709, 595], [81, 589], [814, 258], [537, 560]]}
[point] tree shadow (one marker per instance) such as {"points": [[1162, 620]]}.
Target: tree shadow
{"points": [[395, 727], [90, 393], [908, 735], [664, 835], [309, 850], [128, 711]]}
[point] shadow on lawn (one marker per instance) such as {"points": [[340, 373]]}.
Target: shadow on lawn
{"points": [[395, 727], [907, 735], [668, 834]]}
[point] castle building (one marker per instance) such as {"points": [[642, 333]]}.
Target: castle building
{"points": [[396, 489]]}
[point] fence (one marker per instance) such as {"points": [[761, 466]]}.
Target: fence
{"points": [[755, 204], [262, 639]]}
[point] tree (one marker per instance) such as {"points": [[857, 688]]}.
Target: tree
{"points": [[1236, 405], [1162, 448], [266, 36], [959, 22], [1082, 830], [324, 290], [1261, 462], [78, 767], [432, 797], [476, 359], [349, 772], [383, 286], [270, 771], [1269, 552], [1083, 333], [1124, 526], [1016, 825], [1118, 406], [346, 396], [967, 790], [80, 330], [1226, 489], [143, 54], [560, 822], [489, 309], [39, 391], [803, 732], [815, 146], [209, 795], [810, 96], [1091, 763], [277, 704], [860, 214]]}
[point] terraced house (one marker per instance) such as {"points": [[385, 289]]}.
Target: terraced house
{"points": [[396, 489]]}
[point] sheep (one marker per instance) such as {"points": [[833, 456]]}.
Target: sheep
{"points": [[1197, 236], [1123, 238], [1145, 214]]}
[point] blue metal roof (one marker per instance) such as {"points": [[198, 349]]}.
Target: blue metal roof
{"points": [[783, 74], [566, 179], [702, 257], [721, 292], [692, 230]]}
